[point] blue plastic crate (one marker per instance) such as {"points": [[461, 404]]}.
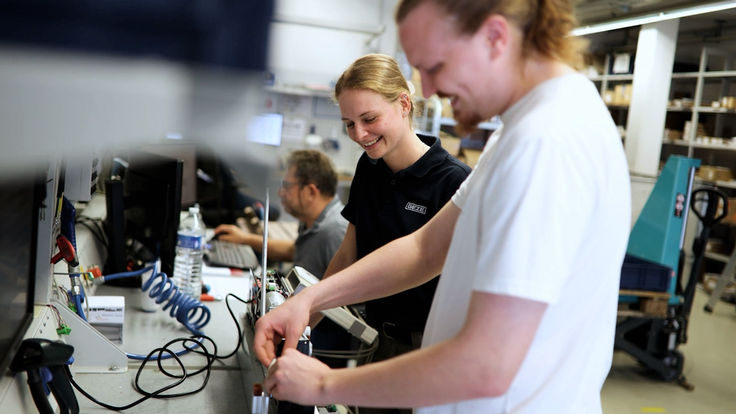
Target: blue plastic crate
{"points": [[642, 274]]}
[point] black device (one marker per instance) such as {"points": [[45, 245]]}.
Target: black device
{"points": [[143, 206], [40, 357], [19, 214]]}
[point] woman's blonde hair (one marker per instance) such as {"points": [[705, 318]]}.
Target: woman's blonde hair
{"points": [[378, 73], [546, 24]]}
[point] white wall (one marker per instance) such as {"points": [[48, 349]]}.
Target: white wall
{"points": [[313, 41]]}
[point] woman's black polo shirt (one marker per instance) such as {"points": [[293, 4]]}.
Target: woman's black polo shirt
{"points": [[384, 206]]}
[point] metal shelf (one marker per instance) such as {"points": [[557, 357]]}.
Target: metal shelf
{"points": [[681, 143], [711, 110], [493, 124], [300, 90], [716, 256]]}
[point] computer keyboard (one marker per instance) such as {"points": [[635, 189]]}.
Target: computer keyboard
{"points": [[227, 254]]}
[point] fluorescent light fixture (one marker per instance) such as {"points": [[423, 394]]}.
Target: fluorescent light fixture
{"points": [[653, 18]]}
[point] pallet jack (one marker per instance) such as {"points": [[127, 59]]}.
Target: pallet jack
{"points": [[658, 237]]}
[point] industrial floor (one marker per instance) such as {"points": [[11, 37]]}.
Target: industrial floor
{"points": [[710, 366]]}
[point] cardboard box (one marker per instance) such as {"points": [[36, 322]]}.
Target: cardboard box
{"points": [[714, 173], [470, 156], [731, 215], [672, 134], [622, 94], [450, 144], [446, 108], [416, 79]]}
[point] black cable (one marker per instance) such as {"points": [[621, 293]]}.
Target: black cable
{"points": [[210, 356], [95, 227], [146, 396], [237, 325], [193, 344]]}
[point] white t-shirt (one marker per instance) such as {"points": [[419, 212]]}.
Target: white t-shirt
{"points": [[545, 216]]}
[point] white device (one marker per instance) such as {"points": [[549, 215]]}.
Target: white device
{"points": [[107, 315], [80, 178], [299, 278]]}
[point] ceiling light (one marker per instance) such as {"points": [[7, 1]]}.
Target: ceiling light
{"points": [[653, 18]]}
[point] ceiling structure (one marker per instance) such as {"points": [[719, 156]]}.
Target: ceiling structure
{"points": [[716, 29], [596, 11]]}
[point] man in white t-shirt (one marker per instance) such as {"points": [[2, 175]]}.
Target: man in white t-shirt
{"points": [[530, 247]]}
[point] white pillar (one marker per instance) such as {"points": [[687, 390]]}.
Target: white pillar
{"points": [[388, 42], [655, 54]]}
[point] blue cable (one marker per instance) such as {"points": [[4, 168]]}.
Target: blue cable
{"points": [[77, 298], [183, 307], [122, 275], [141, 357], [191, 313], [188, 311]]}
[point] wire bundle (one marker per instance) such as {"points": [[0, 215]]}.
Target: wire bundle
{"points": [[198, 344]]}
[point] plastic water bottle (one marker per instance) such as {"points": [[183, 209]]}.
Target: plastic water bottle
{"points": [[189, 250]]}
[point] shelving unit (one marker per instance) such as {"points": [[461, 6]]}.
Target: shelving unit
{"points": [[428, 116], [709, 86], [715, 142], [429, 119], [619, 111], [703, 74]]}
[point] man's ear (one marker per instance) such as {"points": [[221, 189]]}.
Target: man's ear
{"points": [[495, 29], [312, 190]]}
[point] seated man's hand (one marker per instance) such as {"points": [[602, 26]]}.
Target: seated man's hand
{"points": [[231, 233], [287, 321]]}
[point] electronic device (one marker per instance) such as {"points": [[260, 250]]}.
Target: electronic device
{"points": [[221, 253], [81, 175], [143, 206], [19, 214], [45, 362], [272, 289], [187, 152], [266, 129], [299, 278]]}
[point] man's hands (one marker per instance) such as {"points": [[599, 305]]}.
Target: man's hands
{"points": [[287, 321], [298, 378], [231, 233], [293, 376]]}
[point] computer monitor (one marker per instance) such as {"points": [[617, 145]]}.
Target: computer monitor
{"points": [[187, 152], [143, 206], [266, 129], [19, 214]]}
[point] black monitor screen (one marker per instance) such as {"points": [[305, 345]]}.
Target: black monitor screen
{"points": [[146, 214], [18, 215]]}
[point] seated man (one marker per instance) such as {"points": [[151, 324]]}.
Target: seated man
{"points": [[307, 192]]}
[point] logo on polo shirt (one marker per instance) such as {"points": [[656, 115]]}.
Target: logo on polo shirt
{"points": [[416, 208]]}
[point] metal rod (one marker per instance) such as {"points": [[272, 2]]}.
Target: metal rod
{"points": [[264, 254]]}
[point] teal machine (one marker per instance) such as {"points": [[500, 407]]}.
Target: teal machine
{"points": [[655, 244], [656, 240], [659, 232]]}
